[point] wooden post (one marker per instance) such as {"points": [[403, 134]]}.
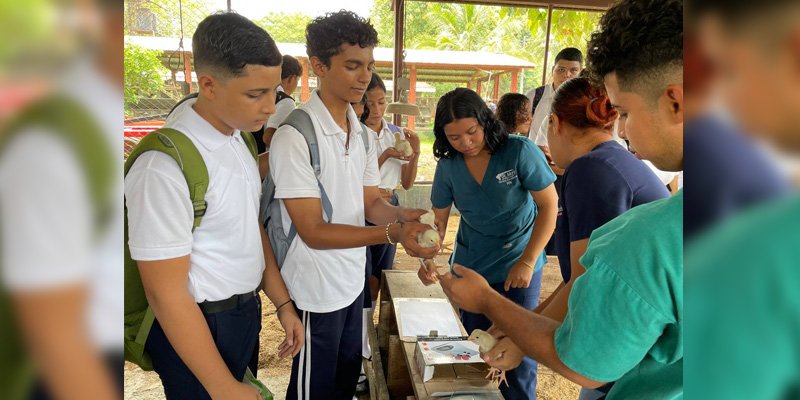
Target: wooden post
{"points": [[547, 43], [496, 92], [187, 71], [479, 87], [397, 65], [304, 91], [412, 94], [514, 77]]}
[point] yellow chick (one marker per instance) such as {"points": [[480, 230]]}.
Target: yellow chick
{"points": [[486, 342], [428, 238], [402, 145]]}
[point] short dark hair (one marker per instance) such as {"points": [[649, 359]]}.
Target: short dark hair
{"points": [[509, 105], [465, 103], [325, 35], [642, 42], [290, 67], [225, 42], [376, 82], [570, 54]]}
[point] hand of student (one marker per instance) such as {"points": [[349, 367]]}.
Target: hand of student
{"points": [[427, 273], [496, 332], [412, 138], [505, 355], [410, 214], [391, 152], [293, 327], [519, 276], [239, 391], [466, 289], [406, 234]]}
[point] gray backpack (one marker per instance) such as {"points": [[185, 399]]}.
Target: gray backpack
{"points": [[270, 211]]}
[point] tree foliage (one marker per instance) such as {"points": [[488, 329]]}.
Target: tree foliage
{"points": [[144, 74], [285, 27]]}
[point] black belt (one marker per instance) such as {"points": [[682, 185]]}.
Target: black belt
{"points": [[212, 307]]}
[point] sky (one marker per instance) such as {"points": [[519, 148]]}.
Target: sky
{"points": [[255, 9]]}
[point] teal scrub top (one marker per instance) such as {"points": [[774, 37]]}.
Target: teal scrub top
{"points": [[625, 317], [743, 324], [497, 216]]}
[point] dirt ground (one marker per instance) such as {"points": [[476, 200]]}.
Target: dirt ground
{"points": [[274, 372]]}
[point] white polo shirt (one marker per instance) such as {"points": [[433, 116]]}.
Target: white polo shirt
{"points": [[322, 281], [226, 253], [282, 110], [392, 169], [540, 114]]}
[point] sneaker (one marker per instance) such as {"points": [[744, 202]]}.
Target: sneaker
{"points": [[363, 384]]}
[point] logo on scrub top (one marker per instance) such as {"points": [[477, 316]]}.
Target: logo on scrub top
{"points": [[507, 177]]}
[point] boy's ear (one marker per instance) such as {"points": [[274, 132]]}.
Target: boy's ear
{"points": [[207, 85], [319, 67], [673, 96]]}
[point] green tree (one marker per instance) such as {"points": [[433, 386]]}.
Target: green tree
{"points": [[285, 27], [144, 74]]}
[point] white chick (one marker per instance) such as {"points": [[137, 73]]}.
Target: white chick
{"points": [[486, 342], [402, 145], [428, 218], [428, 238]]}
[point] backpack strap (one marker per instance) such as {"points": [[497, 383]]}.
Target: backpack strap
{"points": [[537, 97], [365, 137], [178, 146], [250, 141], [280, 95], [301, 121]]}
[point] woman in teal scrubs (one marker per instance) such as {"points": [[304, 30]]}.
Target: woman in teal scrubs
{"points": [[503, 187]]}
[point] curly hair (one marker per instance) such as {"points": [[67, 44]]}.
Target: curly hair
{"points": [[226, 42], [641, 41], [509, 105], [326, 34], [465, 103]]}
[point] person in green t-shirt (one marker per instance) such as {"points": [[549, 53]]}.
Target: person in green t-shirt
{"points": [[625, 317], [743, 324]]}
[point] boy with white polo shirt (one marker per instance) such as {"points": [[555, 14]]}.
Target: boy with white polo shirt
{"points": [[324, 267], [202, 285]]}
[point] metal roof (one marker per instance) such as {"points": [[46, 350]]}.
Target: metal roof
{"points": [[430, 65]]}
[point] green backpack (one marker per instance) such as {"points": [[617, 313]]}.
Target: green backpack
{"points": [[69, 120], [138, 315]]}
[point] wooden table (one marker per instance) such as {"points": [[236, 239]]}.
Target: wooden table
{"points": [[393, 359]]}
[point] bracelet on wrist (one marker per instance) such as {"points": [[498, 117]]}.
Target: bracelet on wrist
{"points": [[388, 237], [282, 304]]}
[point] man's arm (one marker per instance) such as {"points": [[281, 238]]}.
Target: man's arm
{"points": [[53, 323], [165, 283], [532, 333], [306, 215], [274, 287]]}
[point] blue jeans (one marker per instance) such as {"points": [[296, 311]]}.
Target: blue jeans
{"points": [[521, 380]]}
